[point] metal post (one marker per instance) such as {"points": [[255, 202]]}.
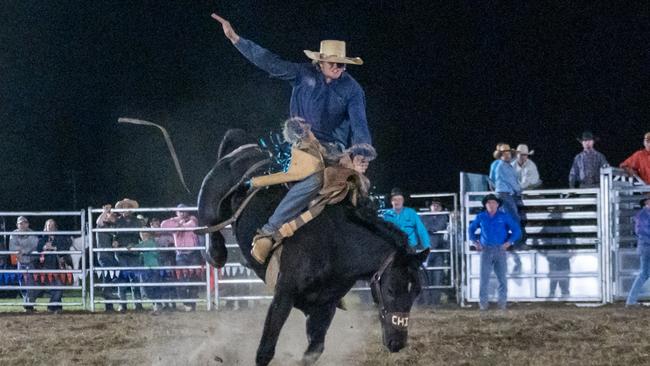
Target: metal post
{"points": [[215, 273], [461, 241], [83, 259], [91, 255], [208, 294]]}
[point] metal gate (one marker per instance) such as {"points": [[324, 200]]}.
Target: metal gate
{"points": [[109, 277], [621, 196], [34, 279], [563, 260]]}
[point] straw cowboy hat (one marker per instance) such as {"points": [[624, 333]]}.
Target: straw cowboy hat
{"points": [[127, 203], [522, 149], [501, 148], [333, 51]]}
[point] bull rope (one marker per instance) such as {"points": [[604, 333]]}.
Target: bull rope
{"points": [[168, 141]]}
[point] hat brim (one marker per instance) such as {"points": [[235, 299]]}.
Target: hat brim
{"points": [[580, 139], [485, 200], [497, 153], [340, 60], [531, 152]]}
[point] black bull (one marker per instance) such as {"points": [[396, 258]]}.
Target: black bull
{"points": [[320, 263]]}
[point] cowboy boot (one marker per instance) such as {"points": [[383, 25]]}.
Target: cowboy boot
{"points": [[262, 245]]}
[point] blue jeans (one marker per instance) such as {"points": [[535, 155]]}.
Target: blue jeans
{"points": [[294, 202], [513, 205], [32, 295], [510, 204], [129, 276], [493, 257], [643, 275], [188, 258]]}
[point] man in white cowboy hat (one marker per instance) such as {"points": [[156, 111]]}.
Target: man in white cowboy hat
{"points": [[323, 94], [527, 173], [585, 171]]}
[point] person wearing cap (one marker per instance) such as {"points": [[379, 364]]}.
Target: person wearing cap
{"points": [[499, 230], [407, 220], [185, 239], [527, 173], [25, 245], [585, 171], [323, 93], [639, 163], [642, 231], [506, 184]]}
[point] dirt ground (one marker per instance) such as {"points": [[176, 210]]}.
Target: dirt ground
{"points": [[525, 335]]}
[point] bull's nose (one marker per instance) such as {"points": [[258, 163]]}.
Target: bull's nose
{"points": [[395, 346]]}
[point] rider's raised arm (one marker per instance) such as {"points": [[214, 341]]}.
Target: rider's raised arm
{"points": [[267, 60], [259, 56]]}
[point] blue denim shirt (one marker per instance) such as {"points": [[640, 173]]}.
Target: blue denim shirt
{"points": [[336, 111], [495, 230], [410, 223], [504, 177]]}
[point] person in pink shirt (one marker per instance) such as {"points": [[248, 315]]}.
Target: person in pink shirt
{"points": [[185, 239], [639, 162]]}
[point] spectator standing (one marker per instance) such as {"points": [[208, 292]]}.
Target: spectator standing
{"points": [[107, 259], [435, 223], [185, 239], [499, 230], [149, 259], [527, 173], [642, 231], [165, 258], [639, 163], [128, 259], [58, 243], [407, 220], [25, 245], [506, 184], [585, 171]]}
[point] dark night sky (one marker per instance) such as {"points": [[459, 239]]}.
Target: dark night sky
{"points": [[444, 83]]}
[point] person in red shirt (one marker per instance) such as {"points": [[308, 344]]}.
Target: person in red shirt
{"points": [[639, 163]]}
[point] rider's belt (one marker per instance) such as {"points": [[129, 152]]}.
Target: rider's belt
{"points": [[303, 164]]}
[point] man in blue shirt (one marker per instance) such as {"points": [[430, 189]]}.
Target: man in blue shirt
{"points": [[323, 94], [498, 232], [408, 220], [326, 98], [642, 231], [506, 184]]}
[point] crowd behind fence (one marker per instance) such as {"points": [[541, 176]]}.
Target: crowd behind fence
{"points": [[579, 248]]}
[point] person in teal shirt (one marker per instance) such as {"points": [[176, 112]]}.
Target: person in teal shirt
{"points": [[149, 259], [407, 220]]}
